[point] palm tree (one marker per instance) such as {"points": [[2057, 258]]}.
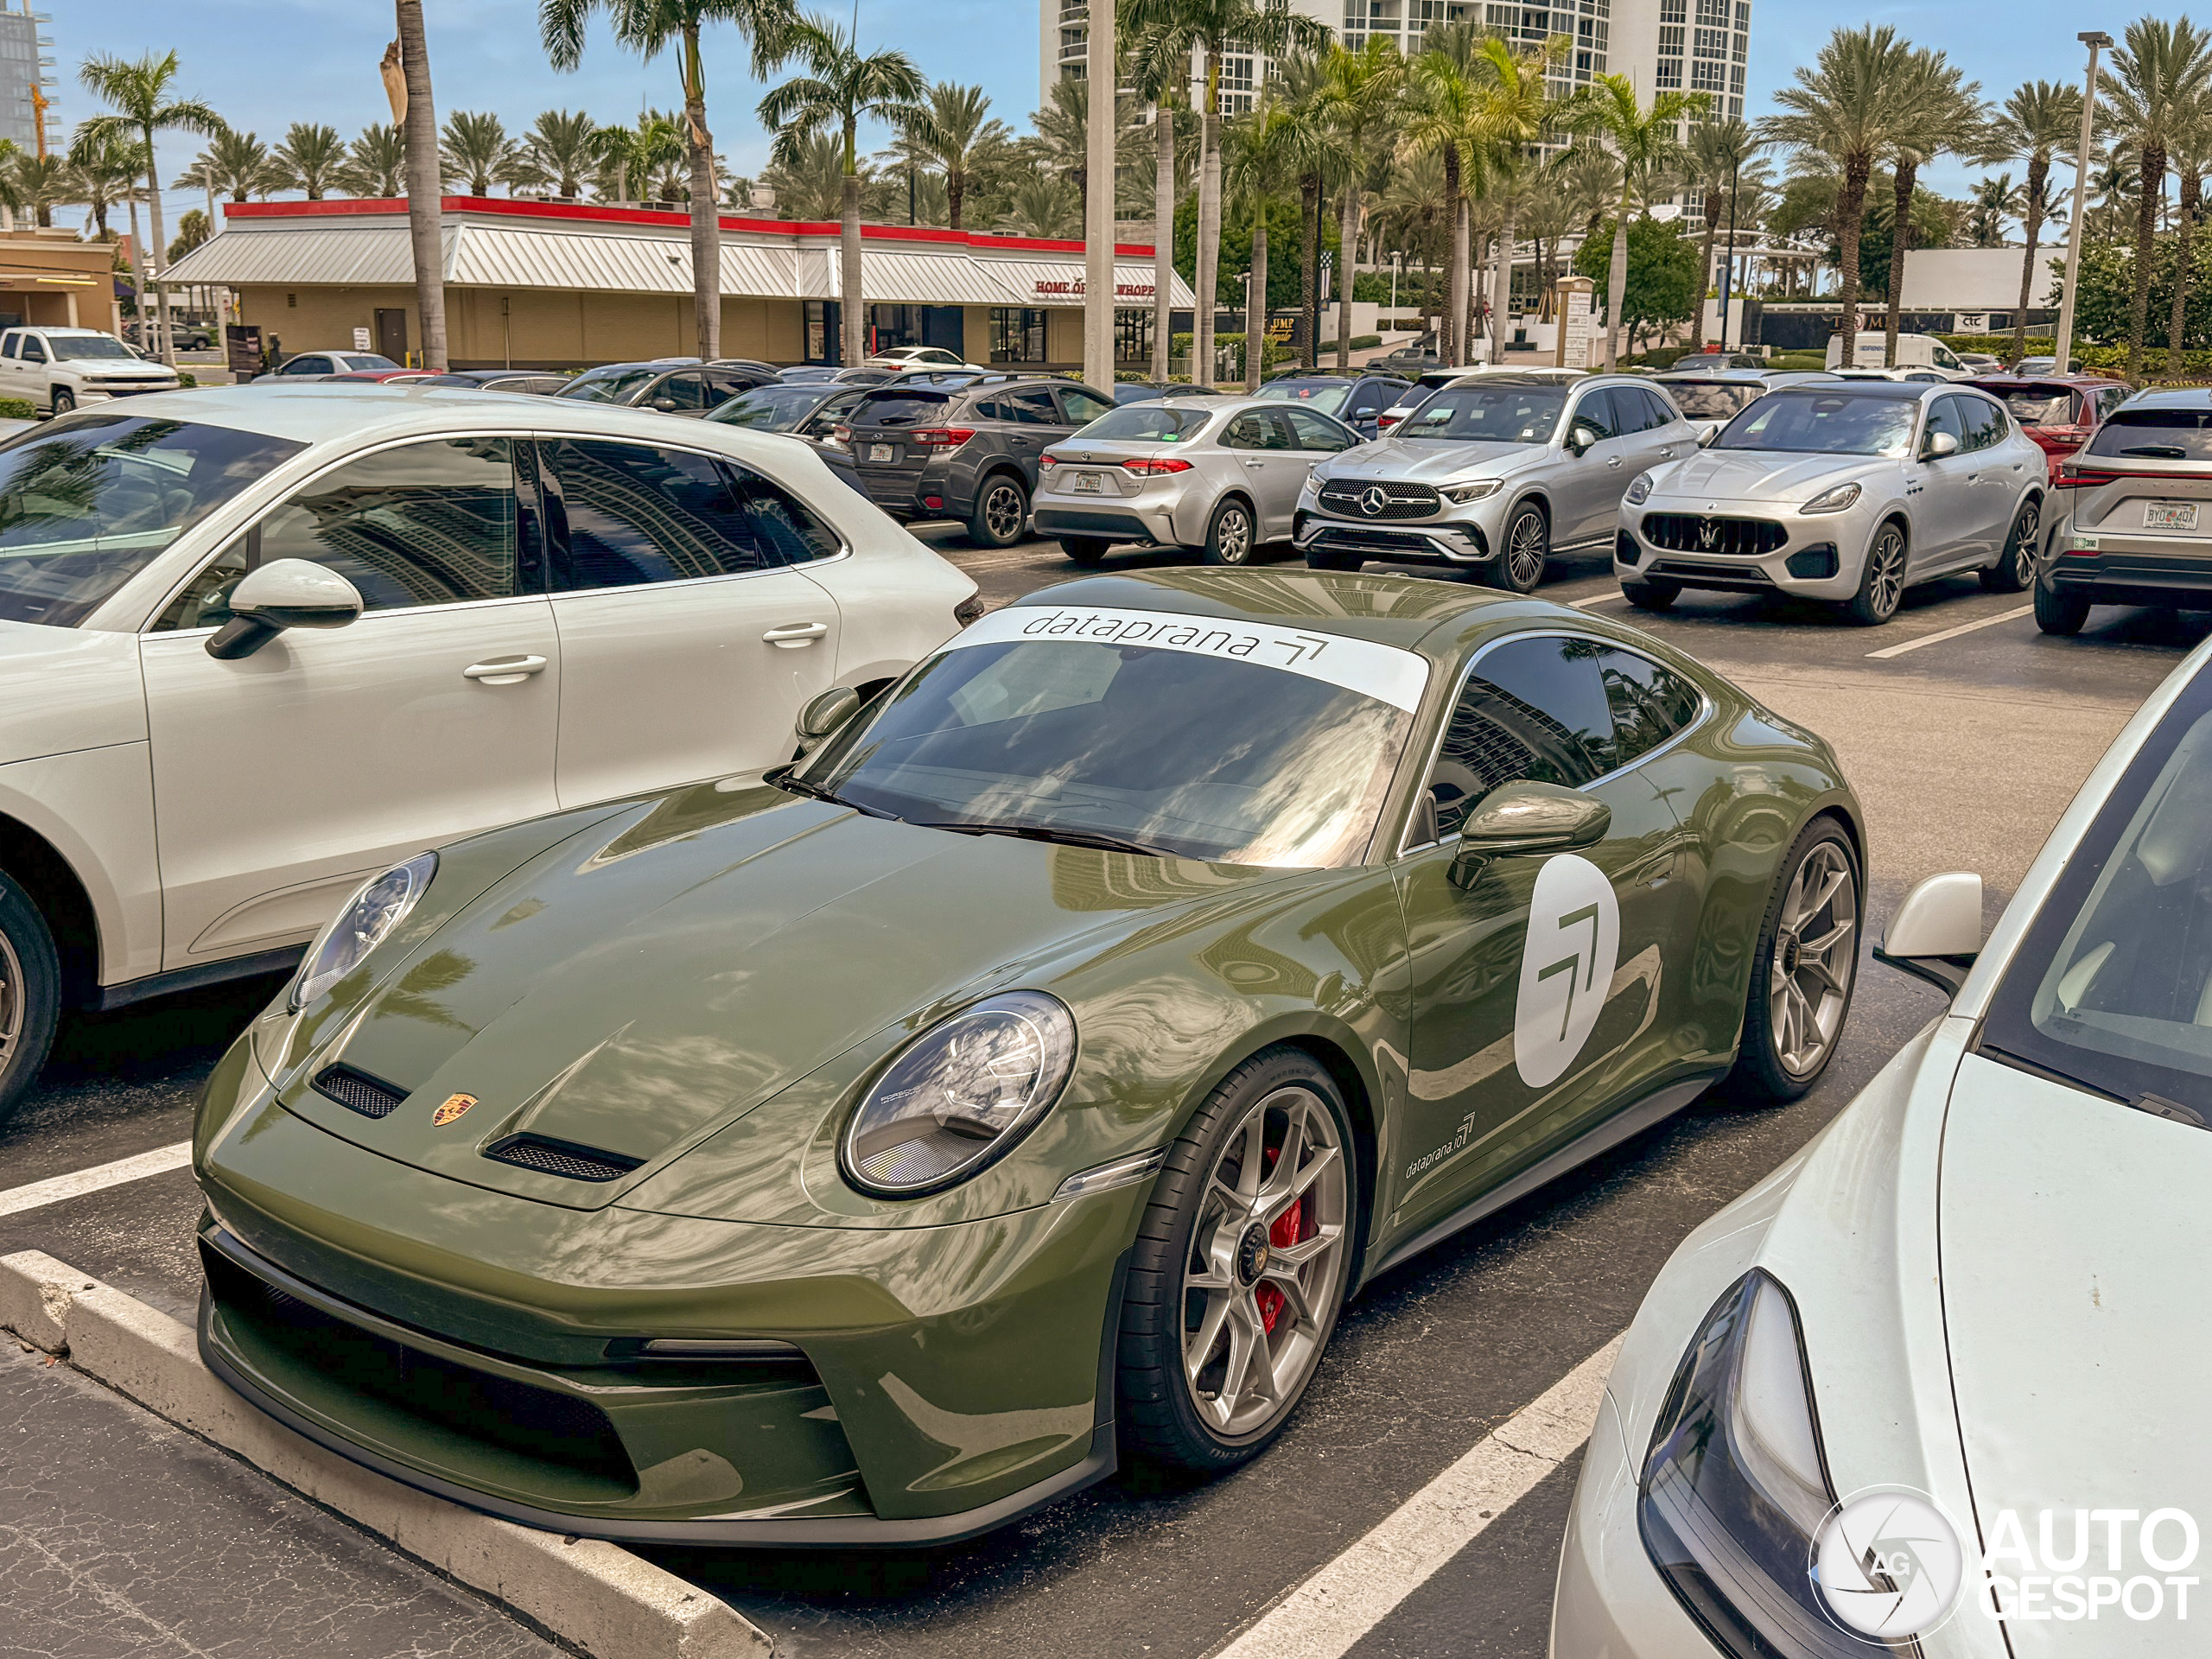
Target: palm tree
{"points": [[1989, 204], [1445, 118], [1417, 210], [627, 157], [1647, 155], [2041, 120], [1842, 112], [1300, 81], [235, 164], [2162, 74], [952, 130], [1167, 31], [35, 183], [407, 80], [1719, 151], [1360, 99], [310, 158], [1261, 151], [1043, 204], [1937, 112], [375, 164], [557, 150], [1550, 217], [1059, 137], [475, 150], [2191, 155], [140, 90], [839, 88], [1517, 109], [810, 182], [649, 28], [105, 171]]}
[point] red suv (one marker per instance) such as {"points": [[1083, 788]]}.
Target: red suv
{"points": [[2059, 411]]}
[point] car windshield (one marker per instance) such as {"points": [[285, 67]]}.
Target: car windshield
{"points": [[2156, 435], [2112, 988], [770, 409], [1488, 414], [2037, 406], [1326, 398], [1824, 423], [607, 386], [74, 348], [86, 503], [899, 406], [1712, 400], [1194, 747], [1158, 421]]}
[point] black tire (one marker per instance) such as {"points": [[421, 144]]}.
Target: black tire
{"points": [[1232, 534], [1519, 566], [1650, 595], [30, 995], [2016, 565], [1881, 578], [1768, 1068], [62, 401], [2058, 612], [1084, 549], [1001, 511], [1159, 1413]]}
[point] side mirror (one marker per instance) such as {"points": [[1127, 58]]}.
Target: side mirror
{"points": [[824, 715], [1516, 819], [283, 593], [665, 405], [1708, 433], [1579, 438], [1935, 932], [1939, 444]]}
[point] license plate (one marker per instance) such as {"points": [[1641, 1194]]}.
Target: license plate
{"points": [[2169, 515], [879, 451], [1087, 484]]}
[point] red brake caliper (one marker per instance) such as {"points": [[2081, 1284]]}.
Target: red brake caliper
{"points": [[1282, 1234]]}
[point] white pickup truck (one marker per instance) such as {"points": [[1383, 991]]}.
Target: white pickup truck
{"points": [[57, 370]]}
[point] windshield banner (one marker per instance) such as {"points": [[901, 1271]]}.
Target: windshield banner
{"points": [[1383, 672]]}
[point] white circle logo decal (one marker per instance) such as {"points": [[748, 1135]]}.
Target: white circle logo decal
{"points": [[1888, 1564], [1566, 967]]}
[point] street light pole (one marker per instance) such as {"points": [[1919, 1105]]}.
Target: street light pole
{"points": [[2095, 40], [1104, 75]]}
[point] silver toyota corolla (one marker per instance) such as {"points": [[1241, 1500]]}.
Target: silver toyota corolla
{"points": [[1845, 490], [1493, 473], [1220, 475]]}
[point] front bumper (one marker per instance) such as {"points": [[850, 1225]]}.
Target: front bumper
{"points": [[1755, 547], [1457, 535], [938, 1381]]}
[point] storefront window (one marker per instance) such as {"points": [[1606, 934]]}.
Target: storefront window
{"points": [[895, 325], [1131, 336], [1017, 333]]}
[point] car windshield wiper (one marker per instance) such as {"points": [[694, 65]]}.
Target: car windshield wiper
{"points": [[783, 779], [1990, 1051], [1039, 832], [2157, 452]]}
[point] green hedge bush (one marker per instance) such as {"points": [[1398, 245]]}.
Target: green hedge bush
{"points": [[17, 409]]}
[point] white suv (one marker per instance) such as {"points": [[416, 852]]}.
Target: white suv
{"points": [[256, 645], [57, 370]]}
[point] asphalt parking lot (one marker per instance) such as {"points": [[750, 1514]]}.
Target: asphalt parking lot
{"points": [[1965, 731]]}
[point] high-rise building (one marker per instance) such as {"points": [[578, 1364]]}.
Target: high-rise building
{"points": [[25, 61]]}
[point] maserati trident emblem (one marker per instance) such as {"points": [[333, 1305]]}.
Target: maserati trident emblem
{"points": [[1373, 499], [1707, 532], [453, 1107]]}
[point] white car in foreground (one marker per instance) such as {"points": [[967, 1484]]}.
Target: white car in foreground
{"points": [[1938, 1379], [257, 644]]}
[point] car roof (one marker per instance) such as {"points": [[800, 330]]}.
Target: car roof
{"points": [[2172, 398], [1731, 377], [1900, 390], [2006, 381], [44, 328]]}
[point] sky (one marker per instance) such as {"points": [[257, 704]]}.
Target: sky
{"points": [[264, 64]]}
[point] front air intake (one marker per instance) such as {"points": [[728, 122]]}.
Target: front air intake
{"points": [[360, 1092], [561, 1158]]}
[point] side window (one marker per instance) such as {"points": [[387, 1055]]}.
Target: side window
{"points": [[303, 366], [1033, 406], [776, 526], [2109, 399], [1988, 428], [34, 349], [206, 601], [424, 523], [1082, 406], [1596, 412], [9, 343], [686, 391], [638, 514], [1534, 708], [818, 424], [1630, 414], [1245, 431], [1658, 412], [1650, 703], [1312, 431], [1944, 417]]}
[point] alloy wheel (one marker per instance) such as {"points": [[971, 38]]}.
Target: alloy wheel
{"points": [[1233, 536], [1816, 953], [2020, 556], [1266, 1262], [1525, 552], [13, 1001], [1003, 512], [1885, 574]]}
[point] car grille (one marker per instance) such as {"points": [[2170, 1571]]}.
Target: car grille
{"points": [[560, 1158], [1688, 533], [1342, 497], [358, 1091]]}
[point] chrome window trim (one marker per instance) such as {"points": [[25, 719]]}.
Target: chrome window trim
{"points": [[1436, 745]]}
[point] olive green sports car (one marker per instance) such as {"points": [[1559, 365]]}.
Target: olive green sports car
{"points": [[870, 1151]]}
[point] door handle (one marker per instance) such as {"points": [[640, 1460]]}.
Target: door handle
{"points": [[1255, 463], [1666, 452], [504, 671], [794, 636], [1613, 461]]}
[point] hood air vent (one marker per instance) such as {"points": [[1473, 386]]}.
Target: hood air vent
{"points": [[360, 1092], [551, 1157]]}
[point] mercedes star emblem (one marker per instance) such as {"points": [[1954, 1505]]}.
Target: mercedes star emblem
{"points": [[1372, 500]]}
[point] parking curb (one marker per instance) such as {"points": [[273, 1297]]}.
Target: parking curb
{"points": [[592, 1596]]}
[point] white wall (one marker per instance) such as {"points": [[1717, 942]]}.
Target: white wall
{"points": [[1978, 279]]}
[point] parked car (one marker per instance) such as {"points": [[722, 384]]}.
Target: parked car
{"points": [[537, 382], [1429, 380], [1871, 350], [1914, 377], [1717, 394], [1411, 358], [239, 589], [316, 365], [1492, 474], [1949, 1322], [967, 451], [900, 359], [685, 387], [2045, 365], [1357, 400], [1848, 491], [1982, 362], [56, 370], [860, 374], [1218, 476], [1140, 391], [2134, 514], [1716, 357], [2058, 412], [812, 412], [871, 1153]]}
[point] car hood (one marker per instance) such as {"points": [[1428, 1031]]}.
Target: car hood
{"points": [[2073, 1233], [1749, 476], [1433, 460], [63, 689], [650, 982]]}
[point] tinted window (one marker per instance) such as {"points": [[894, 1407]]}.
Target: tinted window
{"points": [[1945, 415], [1310, 431], [2156, 435], [1983, 420], [306, 365], [1711, 400], [34, 352], [1162, 422], [683, 390], [1534, 708], [1658, 411], [1596, 411], [614, 386], [9, 343], [1082, 406], [771, 409], [2040, 405], [901, 407], [1033, 406], [1823, 424], [772, 526], [1493, 414], [425, 523], [1249, 431], [1650, 703], [636, 514]]}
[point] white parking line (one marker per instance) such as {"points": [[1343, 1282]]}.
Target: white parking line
{"points": [[1598, 599], [1330, 1611], [2012, 615], [160, 1161]]}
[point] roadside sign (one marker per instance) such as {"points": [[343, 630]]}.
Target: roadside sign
{"points": [[360, 339], [242, 347]]}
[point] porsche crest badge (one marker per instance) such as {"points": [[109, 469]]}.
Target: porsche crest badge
{"points": [[453, 1107]]}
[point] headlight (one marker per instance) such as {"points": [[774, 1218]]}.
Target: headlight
{"points": [[357, 929], [959, 1096], [1639, 490], [1735, 1488], [1474, 491], [1835, 500]]}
